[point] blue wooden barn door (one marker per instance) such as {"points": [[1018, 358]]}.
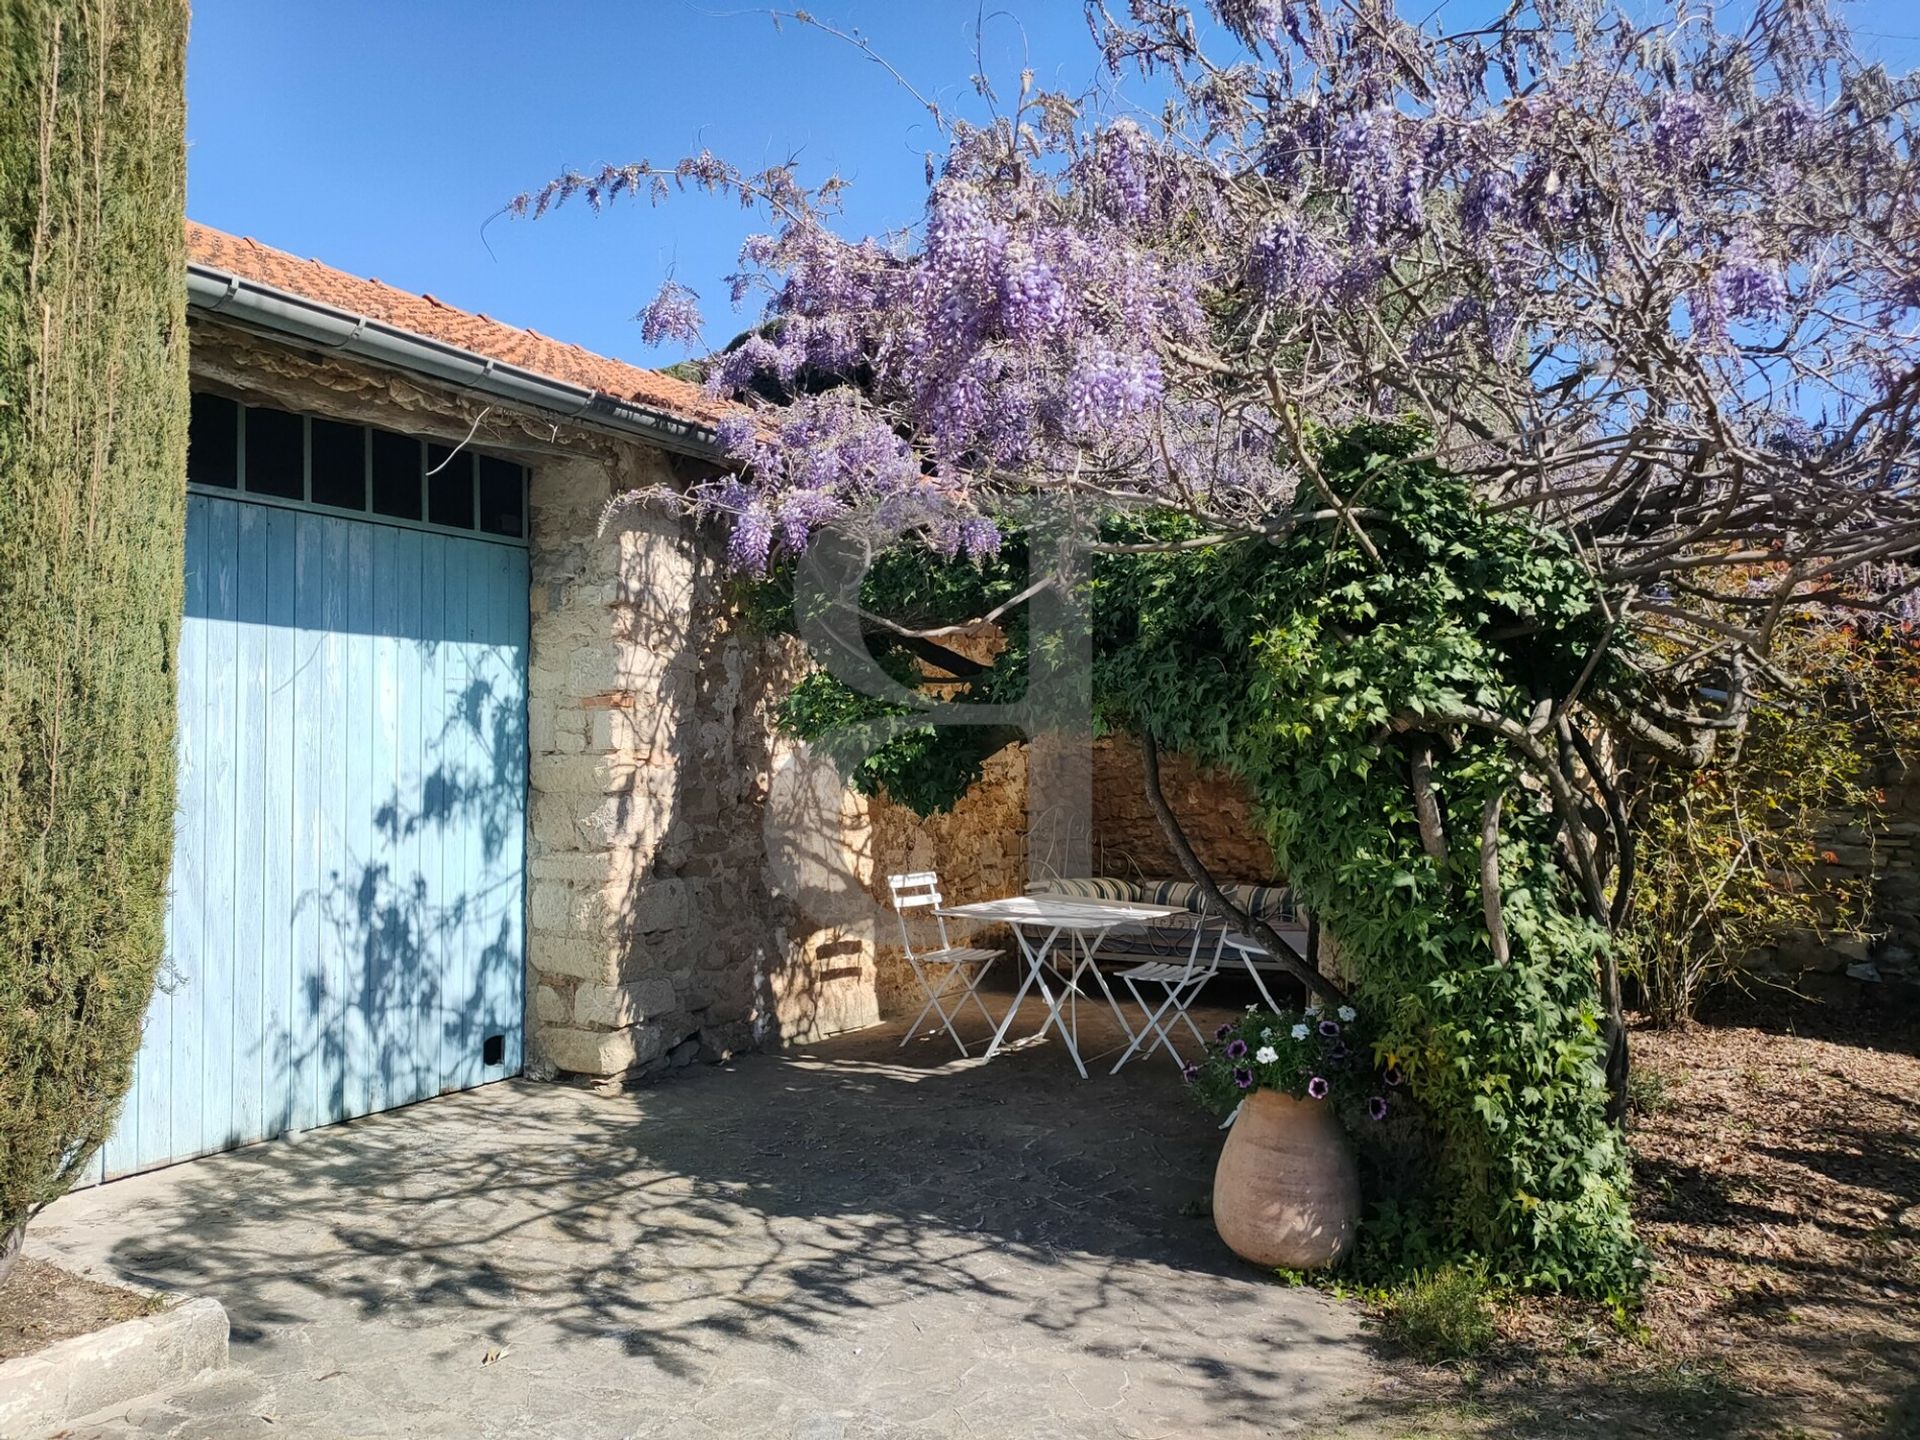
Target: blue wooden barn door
{"points": [[345, 933]]}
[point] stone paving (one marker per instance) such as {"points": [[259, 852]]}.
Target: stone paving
{"points": [[849, 1241]]}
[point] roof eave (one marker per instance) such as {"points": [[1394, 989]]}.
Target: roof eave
{"points": [[214, 291]]}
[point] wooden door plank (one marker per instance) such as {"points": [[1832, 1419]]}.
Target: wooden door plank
{"points": [[283, 838]]}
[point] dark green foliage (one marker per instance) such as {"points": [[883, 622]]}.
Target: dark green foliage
{"points": [[1299, 666], [92, 465], [878, 744]]}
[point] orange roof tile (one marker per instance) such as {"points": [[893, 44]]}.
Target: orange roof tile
{"points": [[434, 318]]}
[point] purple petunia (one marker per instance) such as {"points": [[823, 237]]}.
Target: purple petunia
{"points": [[1339, 1051], [1316, 1088], [1223, 1032], [1393, 1075], [1329, 1028], [1191, 1072], [1377, 1107], [1243, 1078], [1236, 1049]]}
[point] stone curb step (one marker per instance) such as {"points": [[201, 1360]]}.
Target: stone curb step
{"points": [[52, 1388]]}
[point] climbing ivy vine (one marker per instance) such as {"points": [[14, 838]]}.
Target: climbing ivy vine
{"points": [[1322, 676]]}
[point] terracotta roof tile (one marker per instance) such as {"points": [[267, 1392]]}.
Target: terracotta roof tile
{"points": [[432, 317]]}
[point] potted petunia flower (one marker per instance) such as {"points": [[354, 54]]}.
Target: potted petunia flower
{"points": [[1286, 1192]]}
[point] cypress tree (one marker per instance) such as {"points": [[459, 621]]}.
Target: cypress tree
{"points": [[93, 406]]}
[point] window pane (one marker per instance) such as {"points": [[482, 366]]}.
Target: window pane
{"points": [[503, 502], [450, 486], [276, 454], [339, 464], [213, 441], [396, 475]]}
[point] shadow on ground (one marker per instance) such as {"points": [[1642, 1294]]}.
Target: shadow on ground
{"points": [[913, 1243]]}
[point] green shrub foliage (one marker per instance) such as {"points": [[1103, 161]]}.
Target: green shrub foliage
{"points": [[92, 467], [1317, 661], [1732, 856]]}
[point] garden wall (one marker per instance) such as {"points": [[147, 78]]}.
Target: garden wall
{"points": [[1888, 853]]}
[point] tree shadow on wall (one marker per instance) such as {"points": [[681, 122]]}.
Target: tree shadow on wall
{"points": [[417, 953], [699, 806]]}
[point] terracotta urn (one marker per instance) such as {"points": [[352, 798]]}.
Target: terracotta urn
{"points": [[1286, 1194]]}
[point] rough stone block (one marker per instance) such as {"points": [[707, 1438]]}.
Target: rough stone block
{"points": [[584, 867], [657, 906], [550, 1006], [617, 1006], [724, 1041], [46, 1391], [550, 907], [571, 957], [602, 1052]]}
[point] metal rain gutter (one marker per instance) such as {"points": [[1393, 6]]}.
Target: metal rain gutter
{"points": [[281, 312]]}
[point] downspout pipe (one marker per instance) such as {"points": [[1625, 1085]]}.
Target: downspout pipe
{"points": [[211, 291]]}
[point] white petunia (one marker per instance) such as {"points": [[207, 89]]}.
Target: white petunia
{"points": [[1300, 1032], [1266, 1055], [1266, 1034], [1347, 1014]]}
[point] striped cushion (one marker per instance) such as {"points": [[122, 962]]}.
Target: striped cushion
{"points": [[1272, 903], [1182, 893], [1095, 887]]}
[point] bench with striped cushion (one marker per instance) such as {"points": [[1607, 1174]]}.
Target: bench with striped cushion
{"points": [[1173, 939], [1272, 903]]}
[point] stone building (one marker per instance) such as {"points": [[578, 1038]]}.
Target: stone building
{"points": [[473, 780]]}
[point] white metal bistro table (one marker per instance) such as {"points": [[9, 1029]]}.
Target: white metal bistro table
{"points": [[1085, 924]]}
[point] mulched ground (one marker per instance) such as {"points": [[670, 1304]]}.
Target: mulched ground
{"points": [[42, 1303], [1777, 1166]]}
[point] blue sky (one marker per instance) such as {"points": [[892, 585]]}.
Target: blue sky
{"points": [[380, 136]]}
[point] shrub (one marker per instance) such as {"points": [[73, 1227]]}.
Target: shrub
{"points": [[92, 480], [1445, 1315], [1730, 857]]}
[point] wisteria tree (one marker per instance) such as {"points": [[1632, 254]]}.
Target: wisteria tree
{"points": [[1634, 301]]}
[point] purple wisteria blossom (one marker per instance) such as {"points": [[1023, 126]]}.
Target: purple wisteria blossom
{"points": [[673, 315], [1599, 226]]}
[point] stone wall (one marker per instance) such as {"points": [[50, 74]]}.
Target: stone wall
{"points": [[1886, 855], [652, 934], [1213, 810]]}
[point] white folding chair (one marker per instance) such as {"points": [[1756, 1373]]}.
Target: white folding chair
{"points": [[1180, 978], [921, 890]]}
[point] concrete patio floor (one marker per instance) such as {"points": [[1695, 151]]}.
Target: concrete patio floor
{"points": [[846, 1240]]}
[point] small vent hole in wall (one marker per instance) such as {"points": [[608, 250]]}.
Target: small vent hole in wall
{"points": [[493, 1050]]}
